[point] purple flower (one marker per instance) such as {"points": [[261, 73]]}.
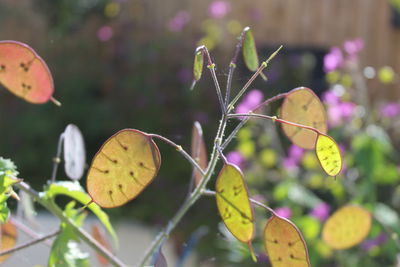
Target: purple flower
{"points": [[284, 212], [333, 60], [370, 243], [104, 33], [353, 47], [250, 101], [177, 23], [321, 211], [289, 163], [295, 152], [390, 110], [235, 157], [219, 9], [347, 109], [330, 98]]}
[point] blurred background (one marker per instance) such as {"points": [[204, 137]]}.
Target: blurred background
{"points": [[128, 64]]}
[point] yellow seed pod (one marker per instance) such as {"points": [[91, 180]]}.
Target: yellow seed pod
{"points": [[328, 154]]}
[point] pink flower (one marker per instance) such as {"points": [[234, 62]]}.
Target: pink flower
{"points": [[177, 23], [104, 33], [330, 98], [284, 212], [340, 113], [235, 157], [353, 47], [289, 163], [296, 152], [390, 110], [333, 60], [370, 243], [321, 211], [218, 9], [250, 101]]}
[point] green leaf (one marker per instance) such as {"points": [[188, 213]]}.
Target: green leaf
{"points": [[7, 167], [4, 212], [65, 251], [249, 50], [74, 190]]}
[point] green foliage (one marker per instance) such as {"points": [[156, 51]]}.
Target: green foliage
{"points": [[8, 171], [74, 190], [65, 251]]}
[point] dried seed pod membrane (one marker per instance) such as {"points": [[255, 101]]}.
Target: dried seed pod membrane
{"points": [[8, 238], [74, 152], [347, 227], [233, 203], [284, 243], [125, 165], [302, 106], [328, 154], [24, 73], [249, 50], [199, 152]]}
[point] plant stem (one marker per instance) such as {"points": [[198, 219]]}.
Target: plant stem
{"points": [[255, 202], [249, 82], [26, 229], [57, 159], [194, 196], [29, 243], [180, 150], [83, 235]]}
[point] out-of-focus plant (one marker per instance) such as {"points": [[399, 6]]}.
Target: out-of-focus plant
{"points": [[288, 176]]}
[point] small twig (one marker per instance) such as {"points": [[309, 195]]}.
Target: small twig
{"points": [[29, 243], [57, 159], [255, 202], [250, 81], [27, 230], [180, 150]]}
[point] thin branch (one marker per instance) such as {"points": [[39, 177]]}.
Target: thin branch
{"points": [[83, 235], [250, 81], [244, 120], [255, 202], [21, 226], [179, 148], [274, 118], [29, 243], [57, 159]]}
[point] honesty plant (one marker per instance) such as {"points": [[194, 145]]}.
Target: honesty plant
{"points": [[129, 160]]}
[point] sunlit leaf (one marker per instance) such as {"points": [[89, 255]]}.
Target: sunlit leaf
{"points": [[284, 243], [302, 106], [74, 152], [198, 63], [233, 203], [65, 251], [8, 238], [198, 152], [125, 165], [75, 191], [24, 73], [347, 227], [249, 50], [328, 154], [99, 236]]}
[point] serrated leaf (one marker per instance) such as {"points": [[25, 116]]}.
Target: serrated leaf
{"points": [[347, 227], [123, 167], [99, 236], [65, 251], [74, 152], [233, 203], [75, 191], [284, 243], [24, 73], [302, 106], [250, 55], [8, 238], [328, 154], [198, 152]]}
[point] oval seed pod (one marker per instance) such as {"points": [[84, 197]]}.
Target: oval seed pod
{"points": [[284, 243], [328, 154], [197, 65], [74, 152], [199, 152], [233, 203], [347, 227], [24, 73], [302, 106], [125, 164], [250, 55]]}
